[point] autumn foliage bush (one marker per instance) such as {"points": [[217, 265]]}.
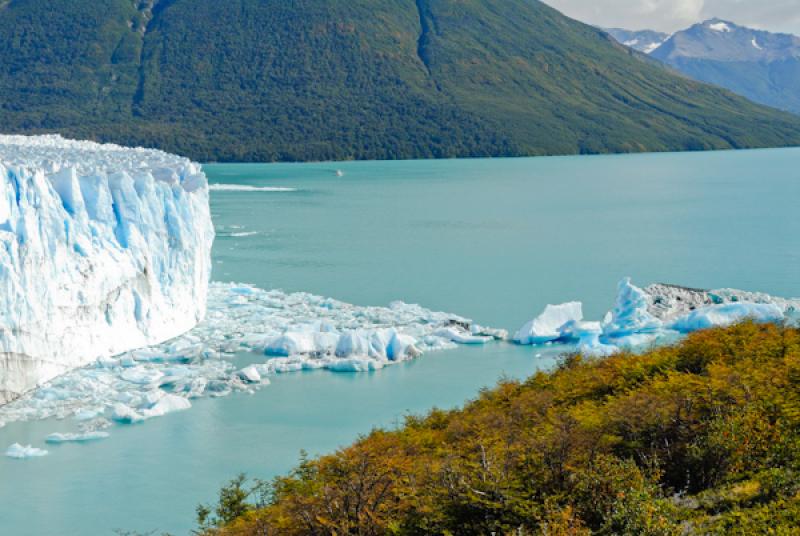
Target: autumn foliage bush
{"points": [[698, 438]]}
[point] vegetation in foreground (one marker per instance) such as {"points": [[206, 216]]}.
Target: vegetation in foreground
{"points": [[700, 438]]}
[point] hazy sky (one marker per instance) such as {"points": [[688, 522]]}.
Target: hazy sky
{"points": [[671, 15]]}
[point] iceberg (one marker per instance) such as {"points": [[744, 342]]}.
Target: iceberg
{"points": [[20, 452], [656, 314], [103, 249], [553, 324]]}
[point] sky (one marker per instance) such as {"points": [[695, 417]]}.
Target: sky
{"points": [[672, 15]]}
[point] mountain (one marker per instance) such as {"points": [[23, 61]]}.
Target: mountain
{"points": [[762, 66], [333, 79], [644, 40]]}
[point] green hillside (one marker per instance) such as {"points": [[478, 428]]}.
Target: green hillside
{"points": [[313, 79]]}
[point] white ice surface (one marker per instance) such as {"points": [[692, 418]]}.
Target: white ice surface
{"points": [[655, 315], [76, 438], [554, 323], [103, 249], [630, 313], [24, 451], [719, 27], [728, 314]]}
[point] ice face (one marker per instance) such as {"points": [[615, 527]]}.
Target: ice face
{"points": [[103, 249]]}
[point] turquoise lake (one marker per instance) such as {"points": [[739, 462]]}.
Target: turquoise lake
{"points": [[494, 240]]}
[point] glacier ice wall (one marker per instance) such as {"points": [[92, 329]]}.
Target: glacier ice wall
{"points": [[103, 249]]}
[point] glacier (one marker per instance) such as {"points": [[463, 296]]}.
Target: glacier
{"points": [[103, 249], [656, 314]]}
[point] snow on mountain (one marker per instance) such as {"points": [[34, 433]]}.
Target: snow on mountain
{"points": [[719, 26], [762, 66], [644, 40], [103, 249]]}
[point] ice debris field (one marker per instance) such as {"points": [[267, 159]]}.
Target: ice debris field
{"points": [[110, 249], [291, 332], [300, 331]]}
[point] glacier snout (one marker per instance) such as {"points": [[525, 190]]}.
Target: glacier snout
{"points": [[103, 249]]}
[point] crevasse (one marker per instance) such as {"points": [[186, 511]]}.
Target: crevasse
{"points": [[103, 249]]}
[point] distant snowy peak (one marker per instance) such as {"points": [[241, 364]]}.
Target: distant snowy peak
{"points": [[719, 26], [103, 249], [720, 40], [644, 40]]}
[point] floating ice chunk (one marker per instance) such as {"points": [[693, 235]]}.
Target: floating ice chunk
{"points": [[76, 438], [125, 414], [554, 323], [250, 374], [20, 452], [728, 314], [167, 404], [630, 313]]}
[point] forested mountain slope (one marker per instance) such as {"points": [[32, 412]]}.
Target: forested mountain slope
{"points": [[333, 79]]}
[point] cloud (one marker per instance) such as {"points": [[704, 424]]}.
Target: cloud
{"points": [[672, 15]]}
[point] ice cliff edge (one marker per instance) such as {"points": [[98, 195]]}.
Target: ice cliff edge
{"points": [[103, 249]]}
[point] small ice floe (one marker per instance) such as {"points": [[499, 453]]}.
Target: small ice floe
{"points": [[24, 451], [251, 375], [243, 234], [76, 437], [157, 404], [656, 314]]}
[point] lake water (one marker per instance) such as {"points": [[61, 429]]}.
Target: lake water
{"points": [[494, 240]]}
